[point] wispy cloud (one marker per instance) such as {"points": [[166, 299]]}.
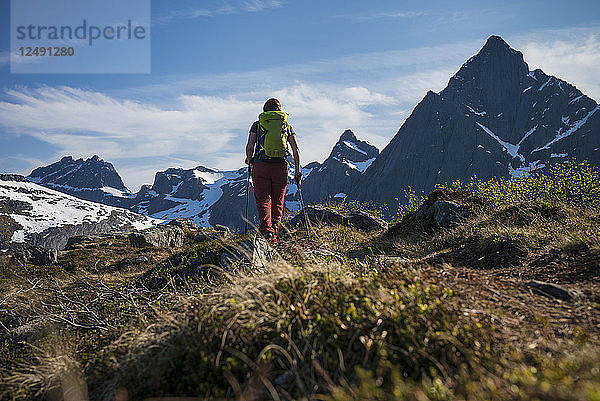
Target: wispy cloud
{"points": [[201, 128], [382, 15], [259, 5], [224, 9], [4, 58], [572, 55]]}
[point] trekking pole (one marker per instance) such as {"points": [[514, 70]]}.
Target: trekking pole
{"points": [[247, 197], [306, 222]]}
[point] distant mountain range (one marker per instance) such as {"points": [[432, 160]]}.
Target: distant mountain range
{"points": [[495, 118], [205, 196]]}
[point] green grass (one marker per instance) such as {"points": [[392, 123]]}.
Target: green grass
{"points": [[451, 321]]}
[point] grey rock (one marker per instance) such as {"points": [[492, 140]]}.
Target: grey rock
{"points": [[118, 222], [34, 255], [85, 241], [79, 241], [160, 236], [218, 232], [251, 254], [366, 222], [441, 213], [183, 223], [554, 291], [325, 215], [13, 177], [446, 213]]}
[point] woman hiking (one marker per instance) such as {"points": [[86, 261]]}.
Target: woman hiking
{"points": [[266, 152]]}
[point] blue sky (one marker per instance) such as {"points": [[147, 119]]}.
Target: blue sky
{"points": [[333, 64]]}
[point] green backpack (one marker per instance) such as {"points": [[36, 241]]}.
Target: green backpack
{"points": [[273, 130]]}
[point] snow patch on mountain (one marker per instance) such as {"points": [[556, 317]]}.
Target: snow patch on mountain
{"points": [[562, 135], [509, 148], [50, 208], [359, 166], [208, 177], [352, 145], [544, 84], [198, 211]]}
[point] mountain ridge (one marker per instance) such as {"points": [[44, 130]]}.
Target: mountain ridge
{"points": [[495, 118], [210, 196]]}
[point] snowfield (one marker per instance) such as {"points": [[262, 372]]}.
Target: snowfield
{"points": [[50, 208]]}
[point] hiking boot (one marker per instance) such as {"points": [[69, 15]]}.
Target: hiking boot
{"points": [[271, 238]]}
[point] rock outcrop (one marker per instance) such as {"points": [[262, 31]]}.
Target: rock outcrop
{"points": [[442, 213], [160, 236], [325, 215], [34, 255], [253, 254]]}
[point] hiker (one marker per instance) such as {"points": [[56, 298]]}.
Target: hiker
{"points": [[266, 153]]}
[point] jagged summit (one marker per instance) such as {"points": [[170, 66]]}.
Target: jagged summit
{"points": [[348, 160], [496, 71], [92, 173], [348, 135], [496, 41], [495, 118]]}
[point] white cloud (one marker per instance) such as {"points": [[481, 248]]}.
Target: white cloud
{"points": [[4, 58], [383, 15], [259, 5], [204, 128], [224, 9], [571, 55]]}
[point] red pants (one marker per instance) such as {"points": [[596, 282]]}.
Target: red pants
{"points": [[270, 182]]}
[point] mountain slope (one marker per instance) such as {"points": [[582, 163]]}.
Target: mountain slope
{"points": [[205, 196], [28, 209], [495, 118]]}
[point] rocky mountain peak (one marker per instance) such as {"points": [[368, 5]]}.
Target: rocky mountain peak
{"points": [[495, 118], [496, 64], [349, 148], [348, 135], [92, 173], [348, 160]]}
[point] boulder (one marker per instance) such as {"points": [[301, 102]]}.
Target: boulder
{"points": [[183, 223], [554, 291], [441, 213], [163, 236], [34, 255], [325, 215], [251, 254], [91, 241], [212, 234]]}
